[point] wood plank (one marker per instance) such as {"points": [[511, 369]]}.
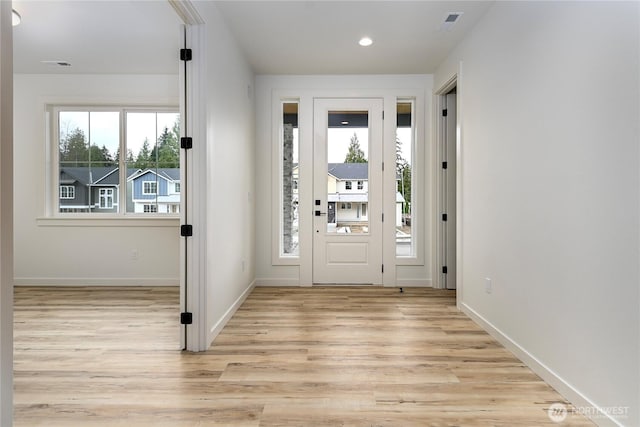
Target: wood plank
{"points": [[326, 356]]}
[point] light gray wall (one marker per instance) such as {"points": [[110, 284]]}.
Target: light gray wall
{"points": [[230, 175], [6, 214], [89, 253], [549, 103]]}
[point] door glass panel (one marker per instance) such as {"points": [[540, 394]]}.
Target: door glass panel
{"points": [[347, 172], [289, 236], [404, 153]]}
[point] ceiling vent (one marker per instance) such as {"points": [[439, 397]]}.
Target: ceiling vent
{"points": [[450, 20]]}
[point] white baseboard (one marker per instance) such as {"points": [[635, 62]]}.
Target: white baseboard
{"points": [[221, 323], [414, 283], [95, 281], [577, 399], [277, 282]]}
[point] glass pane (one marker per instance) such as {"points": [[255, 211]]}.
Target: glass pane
{"points": [[290, 174], [404, 151], [153, 162], [348, 172], [88, 161]]}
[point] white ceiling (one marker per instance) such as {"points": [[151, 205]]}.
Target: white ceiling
{"points": [[321, 37], [104, 37], [277, 37]]}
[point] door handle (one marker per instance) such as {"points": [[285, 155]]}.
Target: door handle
{"points": [[318, 213]]}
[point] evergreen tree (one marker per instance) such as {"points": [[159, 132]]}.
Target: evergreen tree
{"points": [[73, 149], [167, 151], [144, 159], [355, 153]]}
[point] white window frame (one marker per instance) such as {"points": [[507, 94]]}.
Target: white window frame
{"points": [[149, 184], [176, 188], [71, 192], [348, 185], [53, 213], [150, 208], [360, 185], [107, 196]]}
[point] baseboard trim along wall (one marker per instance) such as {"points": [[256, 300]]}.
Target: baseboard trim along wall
{"points": [[576, 398], [222, 322], [414, 283], [95, 281], [277, 282]]}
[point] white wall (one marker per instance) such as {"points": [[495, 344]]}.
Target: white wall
{"points": [[6, 214], [306, 87], [50, 251], [230, 178], [549, 103]]}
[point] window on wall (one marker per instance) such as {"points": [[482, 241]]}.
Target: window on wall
{"points": [[405, 149], [67, 192], [289, 175], [360, 185], [347, 185], [121, 160]]}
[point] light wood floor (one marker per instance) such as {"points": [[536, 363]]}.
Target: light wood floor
{"points": [[290, 356]]}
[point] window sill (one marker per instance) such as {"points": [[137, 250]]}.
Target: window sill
{"points": [[108, 221]]}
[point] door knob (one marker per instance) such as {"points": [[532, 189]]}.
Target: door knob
{"points": [[318, 213]]}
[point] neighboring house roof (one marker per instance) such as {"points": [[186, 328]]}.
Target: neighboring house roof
{"points": [[343, 171], [92, 175], [170, 174]]}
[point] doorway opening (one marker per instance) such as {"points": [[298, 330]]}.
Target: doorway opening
{"points": [[447, 149]]}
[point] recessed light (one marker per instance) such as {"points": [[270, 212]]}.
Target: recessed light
{"points": [[365, 41], [344, 122], [15, 18]]}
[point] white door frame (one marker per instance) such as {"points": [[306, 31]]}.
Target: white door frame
{"points": [[359, 271], [193, 209], [454, 81]]}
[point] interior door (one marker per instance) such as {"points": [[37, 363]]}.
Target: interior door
{"points": [[347, 233]]}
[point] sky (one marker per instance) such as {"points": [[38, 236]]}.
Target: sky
{"points": [[103, 128], [339, 140]]}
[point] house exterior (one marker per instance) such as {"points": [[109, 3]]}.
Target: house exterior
{"points": [[154, 190], [88, 189], [97, 190], [348, 194]]}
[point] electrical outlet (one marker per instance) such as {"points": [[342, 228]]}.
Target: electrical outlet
{"points": [[487, 285]]}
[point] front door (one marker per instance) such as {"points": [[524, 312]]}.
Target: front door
{"points": [[347, 221]]}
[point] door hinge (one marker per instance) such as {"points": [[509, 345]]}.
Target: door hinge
{"points": [[444, 165], [186, 143], [444, 269], [383, 115], [383, 268], [186, 230], [186, 318], [444, 113], [382, 166], [186, 54], [382, 217], [444, 217]]}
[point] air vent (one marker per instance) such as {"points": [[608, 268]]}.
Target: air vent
{"points": [[452, 17], [57, 63], [450, 20]]}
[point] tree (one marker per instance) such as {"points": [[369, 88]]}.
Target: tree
{"points": [[144, 160], [167, 151], [73, 149], [403, 170], [355, 153]]}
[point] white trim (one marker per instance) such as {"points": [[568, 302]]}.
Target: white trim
{"points": [[107, 220], [562, 386], [66, 187], [149, 193], [414, 283], [222, 322], [193, 205], [187, 12], [96, 281], [278, 282]]}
